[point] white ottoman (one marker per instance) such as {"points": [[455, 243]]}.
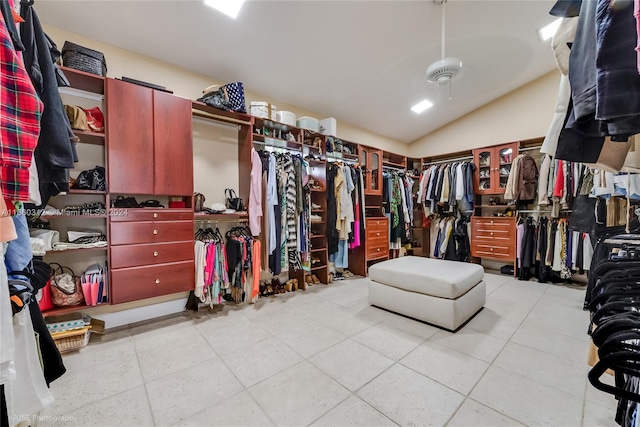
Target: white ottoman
{"points": [[443, 293]]}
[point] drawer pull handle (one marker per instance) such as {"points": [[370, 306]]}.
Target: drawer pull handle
{"points": [[491, 222], [492, 234], [377, 234], [378, 249], [155, 253], [157, 281], [155, 215], [155, 231]]}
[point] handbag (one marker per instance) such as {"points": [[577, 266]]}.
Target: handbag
{"points": [[151, 204], [125, 202], [84, 59], [65, 287], [95, 119], [234, 94], [232, 201], [198, 202], [216, 99], [77, 117], [92, 179]]}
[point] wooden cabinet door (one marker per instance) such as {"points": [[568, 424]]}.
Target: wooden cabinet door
{"points": [[129, 129], [484, 159], [364, 162], [375, 164], [504, 155], [173, 149]]}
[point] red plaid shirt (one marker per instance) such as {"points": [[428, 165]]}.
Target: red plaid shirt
{"points": [[20, 113]]}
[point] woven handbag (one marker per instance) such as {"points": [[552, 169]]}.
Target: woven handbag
{"points": [[65, 287], [84, 59]]}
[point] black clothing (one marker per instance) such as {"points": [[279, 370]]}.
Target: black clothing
{"points": [[333, 236], [55, 153]]}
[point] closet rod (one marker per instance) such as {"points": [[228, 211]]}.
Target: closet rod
{"points": [[538, 147], [200, 220], [81, 93], [340, 159], [214, 123], [393, 168], [439, 162], [207, 115]]}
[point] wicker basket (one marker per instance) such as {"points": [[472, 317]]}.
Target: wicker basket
{"points": [[71, 340], [84, 59]]}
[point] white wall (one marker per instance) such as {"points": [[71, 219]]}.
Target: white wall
{"points": [[522, 114], [121, 62]]}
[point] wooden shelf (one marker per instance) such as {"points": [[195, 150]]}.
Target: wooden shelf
{"points": [[273, 124], [78, 191], [237, 215], [90, 137], [103, 248], [318, 250], [71, 216], [278, 142], [84, 81], [316, 236], [224, 116], [317, 190], [317, 210], [318, 222], [394, 165], [318, 268], [319, 161], [74, 309]]}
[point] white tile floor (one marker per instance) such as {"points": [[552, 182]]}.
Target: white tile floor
{"points": [[324, 357]]}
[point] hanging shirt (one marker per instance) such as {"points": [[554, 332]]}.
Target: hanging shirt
{"points": [[19, 121], [272, 200], [459, 182], [255, 193]]}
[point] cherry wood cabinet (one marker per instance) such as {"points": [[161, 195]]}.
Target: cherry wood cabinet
{"points": [[493, 167], [150, 148], [493, 237], [173, 145], [371, 160], [129, 128]]}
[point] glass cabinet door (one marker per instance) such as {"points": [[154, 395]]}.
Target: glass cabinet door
{"points": [[375, 171], [484, 167], [506, 156]]}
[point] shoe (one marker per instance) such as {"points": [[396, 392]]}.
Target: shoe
{"points": [[316, 218], [315, 207], [348, 274], [294, 282], [308, 280], [314, 259], [504, 172], [288, 287], [315, 279]]}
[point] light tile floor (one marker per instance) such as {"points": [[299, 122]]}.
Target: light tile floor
{"points": [[324, 357]]}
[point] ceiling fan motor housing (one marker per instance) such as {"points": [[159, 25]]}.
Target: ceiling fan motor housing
{"points": [[444, 70]]}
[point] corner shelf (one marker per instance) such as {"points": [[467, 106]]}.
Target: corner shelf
{"points": [[93, 138], [84, 81]]}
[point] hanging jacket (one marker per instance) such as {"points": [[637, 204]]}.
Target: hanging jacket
{"points": [[528, 178], [55, 153]]}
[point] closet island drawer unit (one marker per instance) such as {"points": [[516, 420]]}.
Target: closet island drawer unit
{"points": [[377, 233], [151, 254], [493, 237]]}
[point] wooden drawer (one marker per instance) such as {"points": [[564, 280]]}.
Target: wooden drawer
{"points": [[377, 234], [494, 222], [148, 214], [131, 284], [377, 249], [491, 250], [131, 233], [377, 223], [155, 253]]}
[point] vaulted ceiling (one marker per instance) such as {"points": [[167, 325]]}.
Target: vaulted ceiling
{"points": [[362, 62]]}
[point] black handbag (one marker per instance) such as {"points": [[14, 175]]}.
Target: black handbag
{"points": [[92, 179], [151, 204], [232, 201], [216, 99], [583, 216], [125, 202], [84, 59]]}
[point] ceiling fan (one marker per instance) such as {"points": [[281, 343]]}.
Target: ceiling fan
{"points": [[446, 69]]}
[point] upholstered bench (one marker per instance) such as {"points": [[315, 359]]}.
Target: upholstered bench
{"points": [[443, 293]]}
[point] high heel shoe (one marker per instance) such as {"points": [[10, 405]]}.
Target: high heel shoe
{"points": [[315, 279], [294, 282]]}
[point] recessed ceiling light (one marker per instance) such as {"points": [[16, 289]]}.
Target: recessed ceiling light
{"points": [[548, 31], [422, 106], [228, 7]]}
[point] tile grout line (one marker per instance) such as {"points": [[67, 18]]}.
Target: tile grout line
{"points": [[144, 382], [244, 388]]}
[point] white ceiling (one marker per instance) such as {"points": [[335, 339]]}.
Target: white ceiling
{"points": [[362, 62]]}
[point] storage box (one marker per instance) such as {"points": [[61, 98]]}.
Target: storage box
{"points": [[328, 126], [263, 110]]}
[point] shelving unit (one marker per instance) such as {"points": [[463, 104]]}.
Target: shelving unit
{"points": [[94, 138]]}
